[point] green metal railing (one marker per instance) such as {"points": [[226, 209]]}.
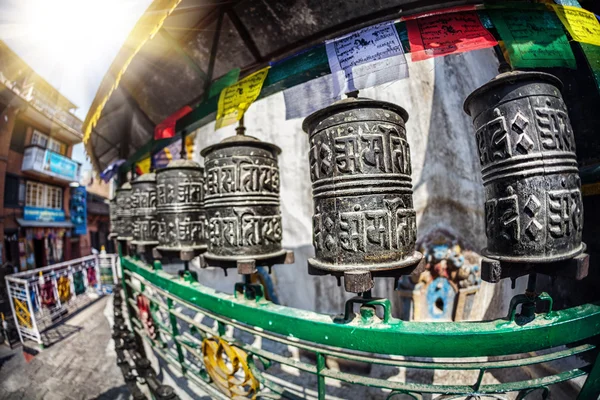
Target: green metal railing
{"points": [[208, 336]]}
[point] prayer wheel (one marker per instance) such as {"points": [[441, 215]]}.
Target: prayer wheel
{"points": [[533, 206], [242, 200], [180, 213], [113, 219], [124, 212], [143, 202], [364, 223]]}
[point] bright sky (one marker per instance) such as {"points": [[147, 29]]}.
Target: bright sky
{"points": [[70, 43]]}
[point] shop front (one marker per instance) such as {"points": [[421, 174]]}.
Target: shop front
{"points": [[43, 237]]}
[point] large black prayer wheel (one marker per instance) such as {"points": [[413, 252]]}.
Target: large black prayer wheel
{"points": [[242, 200], [363, 221], [180, 214], [124, 212], [143, 203], [533, 208]]}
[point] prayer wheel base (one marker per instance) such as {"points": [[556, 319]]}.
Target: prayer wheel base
{"points": [[246, 264], [182, 253], [359, 278], [494, 270]]}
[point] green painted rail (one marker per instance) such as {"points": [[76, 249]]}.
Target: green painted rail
{"points": [[555, 335]]}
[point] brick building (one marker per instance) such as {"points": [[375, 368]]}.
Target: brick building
{"points": [[37, 134]]}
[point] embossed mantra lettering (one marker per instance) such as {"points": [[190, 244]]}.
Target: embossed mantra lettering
{"points": [[187, 192], [392, 228], [244, 229], [353, 150], [145, 230], [242, 176], [180, 230], [555, 128]]}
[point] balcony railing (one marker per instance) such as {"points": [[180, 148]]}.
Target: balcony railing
{"points": [[49, 163]]}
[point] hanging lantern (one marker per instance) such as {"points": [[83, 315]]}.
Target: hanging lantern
{"points": [[143, 203], [180, 214], [124, 211], [242, 202], [533, 207], [364, 224]]}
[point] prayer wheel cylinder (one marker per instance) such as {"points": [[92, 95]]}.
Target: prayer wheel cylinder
{"points": [[363, 208], [242, 200], [533, 206], [124, 212], [143, 203], [180, 213], [113, 218]]}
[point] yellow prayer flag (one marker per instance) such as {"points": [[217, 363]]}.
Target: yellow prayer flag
{"points": [[581, 24], [234, 100], [143, 167]]}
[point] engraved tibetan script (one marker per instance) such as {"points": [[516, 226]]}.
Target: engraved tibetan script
{"points": [[358, 150], [564, 212], [244, 229], [555, 129], [242, 176], [392, 228], [493, 141]]}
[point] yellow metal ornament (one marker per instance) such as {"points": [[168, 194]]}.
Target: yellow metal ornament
{"points": [[63, 286], [228, 368], [22, 313]]}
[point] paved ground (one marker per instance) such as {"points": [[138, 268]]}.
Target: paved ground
{"points": [[81, 364]]}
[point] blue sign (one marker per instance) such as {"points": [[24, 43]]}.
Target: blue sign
{"points": [[79, 210], [43, 214], [61, 166]]}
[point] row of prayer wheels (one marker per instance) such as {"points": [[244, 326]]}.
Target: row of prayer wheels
{"points": [[364, 223]]}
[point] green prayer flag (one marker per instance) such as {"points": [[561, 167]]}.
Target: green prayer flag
{"points": [[592, 54], [533, 38], [226, 80]]}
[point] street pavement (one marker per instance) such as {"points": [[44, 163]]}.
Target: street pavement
{"points": [[79, 364]]}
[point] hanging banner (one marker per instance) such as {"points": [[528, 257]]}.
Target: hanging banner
{"points": [[368, 57], [592, 54], [533, 38], [143, 167], [581, 24], [173, 152], [236, 99], [166, 129], [226, 80], [306, 98], [78, 210], [440, 35]]}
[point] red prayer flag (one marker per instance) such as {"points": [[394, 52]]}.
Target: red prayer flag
{"points": [[440, 35], [166, 129]]}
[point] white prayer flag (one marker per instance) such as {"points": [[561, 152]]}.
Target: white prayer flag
{"points": [[306, 98], [368, 57]]}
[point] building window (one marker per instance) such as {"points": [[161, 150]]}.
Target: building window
{"points": [[39, 139], [14, 191], [43, 196], [57, 147], [54, 197]]}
